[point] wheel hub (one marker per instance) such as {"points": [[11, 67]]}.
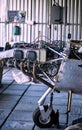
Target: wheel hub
{"points": [[44, 121]]}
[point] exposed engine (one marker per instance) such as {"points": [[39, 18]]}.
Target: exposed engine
{"points": [[41, 54]]}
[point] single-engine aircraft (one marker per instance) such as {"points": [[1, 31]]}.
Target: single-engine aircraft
{"points": [[51, 65]]}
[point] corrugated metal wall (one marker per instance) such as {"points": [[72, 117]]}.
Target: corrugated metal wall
{"points": [[40, 11]]}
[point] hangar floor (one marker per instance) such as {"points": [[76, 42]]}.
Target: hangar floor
{"points": [[17, 103]]}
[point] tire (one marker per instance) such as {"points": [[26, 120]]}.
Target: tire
{"points": [[39, 122]]}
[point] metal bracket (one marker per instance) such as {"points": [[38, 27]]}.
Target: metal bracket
{"points": [[45, 114]]}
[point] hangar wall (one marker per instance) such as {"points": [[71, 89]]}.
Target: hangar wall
{"points": [[40, 12]]}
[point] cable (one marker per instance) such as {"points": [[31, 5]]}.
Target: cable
{"points": [[33, 127]]}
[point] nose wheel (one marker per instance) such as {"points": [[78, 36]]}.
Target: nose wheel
{"points": [[48, 120], [39, 121]]}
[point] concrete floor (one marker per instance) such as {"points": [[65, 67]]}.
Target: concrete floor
{"points": [[17, 103]]}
